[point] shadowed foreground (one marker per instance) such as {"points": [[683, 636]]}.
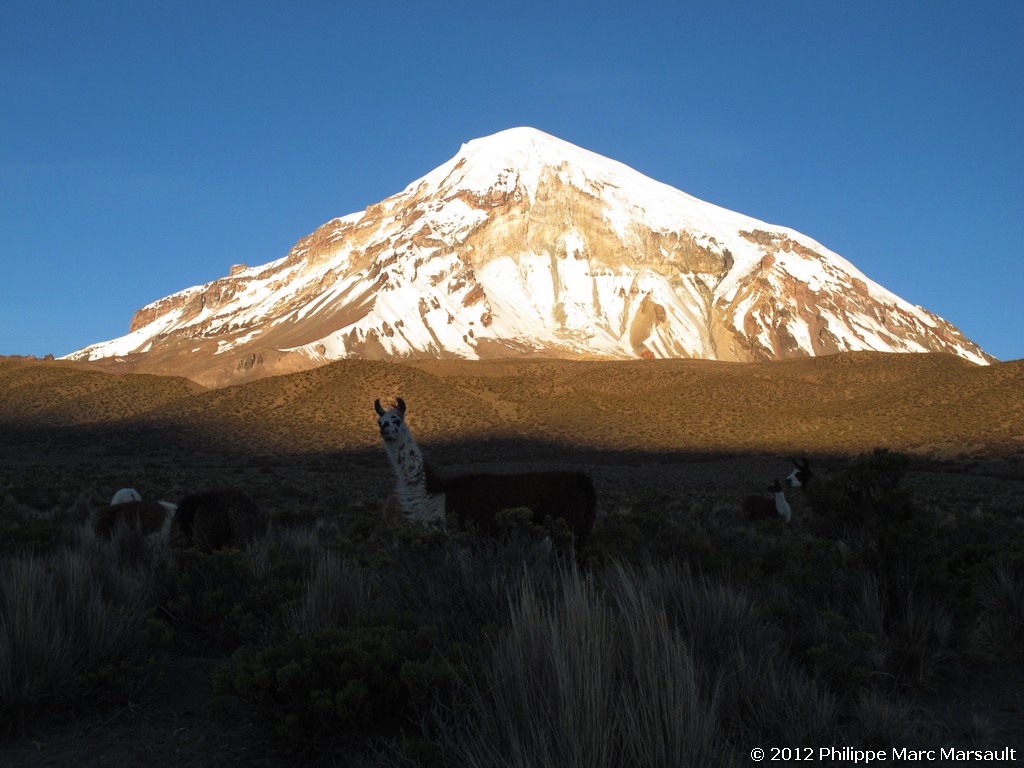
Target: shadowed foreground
{"points": [[339, 639]]}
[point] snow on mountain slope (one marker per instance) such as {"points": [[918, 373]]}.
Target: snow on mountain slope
{"points": [[523, 244]]}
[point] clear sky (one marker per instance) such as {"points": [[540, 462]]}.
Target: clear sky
{"points": [[148, 145]]}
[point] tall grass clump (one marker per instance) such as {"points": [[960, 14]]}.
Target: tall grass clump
{"points": [[71, 624], [338, 593], [881, 721], [672, 713], [616, 669], [998, 632], [549, 696], [762, 693]]}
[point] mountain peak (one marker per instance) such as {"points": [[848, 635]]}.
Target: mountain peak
{"points": [[523, 243], [518, 137], [516, 153], [525, 145]]}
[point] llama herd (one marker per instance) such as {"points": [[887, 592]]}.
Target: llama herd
{"points": [[423, 493]]}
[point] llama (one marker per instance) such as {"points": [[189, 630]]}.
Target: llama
{"points": [[801, 476], [861, 507], [416, 504], [867, 482], [153, 518], [813, 495], [760, 508], [216, 519], [425, 495]]}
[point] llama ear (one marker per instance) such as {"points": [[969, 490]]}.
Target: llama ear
{"points": [[401, 405], [377, 408]]}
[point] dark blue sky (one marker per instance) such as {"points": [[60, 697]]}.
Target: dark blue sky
{"points": [[147, 145]]}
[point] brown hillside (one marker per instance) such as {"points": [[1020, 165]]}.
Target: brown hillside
{"points": [[930, 405], [57, 393]]}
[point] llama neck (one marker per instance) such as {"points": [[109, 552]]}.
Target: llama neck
{"points": [[163, 536], [411, 481], [782, 506]]}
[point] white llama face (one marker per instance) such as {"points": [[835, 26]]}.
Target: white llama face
{"points": [[391, 422], [797, 478]]}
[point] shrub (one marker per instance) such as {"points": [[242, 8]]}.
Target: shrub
{"points": [[349, 684], [654, 529], [845, 657], [222, 599], [23, 529]]}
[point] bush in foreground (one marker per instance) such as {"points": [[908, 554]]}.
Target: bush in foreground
{"points": [[334, 685]]}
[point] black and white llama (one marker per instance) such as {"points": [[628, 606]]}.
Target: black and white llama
{"points": [[801, 475], [761, 508], [426, 495], [415, 502]]}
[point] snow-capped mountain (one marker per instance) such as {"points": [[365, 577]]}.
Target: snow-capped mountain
{"points": [[524, 244]]}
